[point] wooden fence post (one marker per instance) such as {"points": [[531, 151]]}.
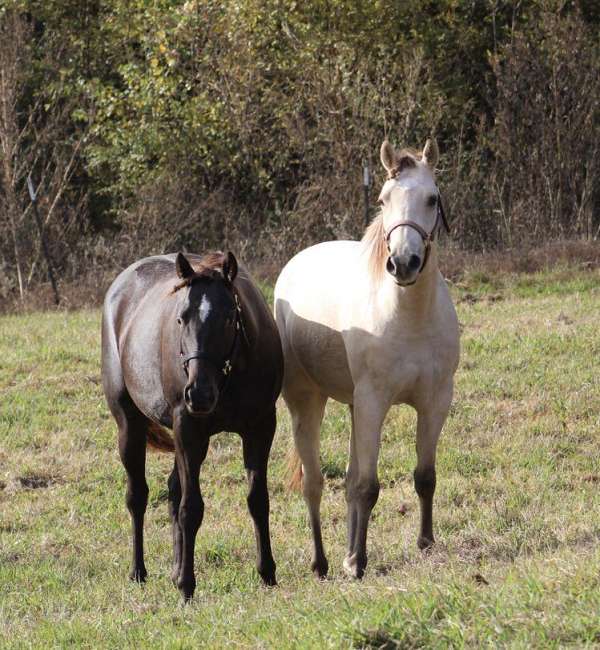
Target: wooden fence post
{"points": [[46, 251]]}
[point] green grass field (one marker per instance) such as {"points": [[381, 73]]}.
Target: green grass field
{"points": [[517, 509]]}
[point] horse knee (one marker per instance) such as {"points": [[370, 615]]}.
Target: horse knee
{"points": [[364, 491], [136, 498], [425, 482], [258, 495], [312, 486], [190, 514], [173, 483]]}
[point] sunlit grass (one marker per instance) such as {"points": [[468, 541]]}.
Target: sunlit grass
{"points": [[517, 512]]}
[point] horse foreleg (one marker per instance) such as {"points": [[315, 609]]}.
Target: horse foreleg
{"points": [[174, 502], [430, 419], [362, 483], [257, 445], [190, 451]]}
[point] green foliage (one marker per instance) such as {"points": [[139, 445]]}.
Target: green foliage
{"points": [[246, 122]]}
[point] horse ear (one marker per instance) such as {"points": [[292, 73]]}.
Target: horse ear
{"points": [[387, 155], [183, 267], [230, 267], [431, 153]]}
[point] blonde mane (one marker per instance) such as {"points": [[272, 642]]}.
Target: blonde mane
{"points": [[375, 247]]}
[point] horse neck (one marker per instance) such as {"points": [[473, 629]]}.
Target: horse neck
{"points": [[413, 303]]}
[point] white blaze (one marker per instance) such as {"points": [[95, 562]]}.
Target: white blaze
{"points": [[204, 308]]}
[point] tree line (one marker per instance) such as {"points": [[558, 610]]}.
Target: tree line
{"points": [[155, 125]]}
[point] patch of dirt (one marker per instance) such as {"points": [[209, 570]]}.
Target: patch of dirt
{"points": [[479, 579], [383, 569], [35, 482], [9, 558], [403, 508], [13, 527], [563, 318], [381, 639], [469, 298]]}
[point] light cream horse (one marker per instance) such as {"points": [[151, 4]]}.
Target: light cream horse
{"points": [[371, 324]]}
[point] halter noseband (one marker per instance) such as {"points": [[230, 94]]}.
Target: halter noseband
{"points": [[427, 237], [228, 362]]}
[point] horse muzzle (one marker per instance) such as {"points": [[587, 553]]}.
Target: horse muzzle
{"points": [[404, 269], [200, 401]]}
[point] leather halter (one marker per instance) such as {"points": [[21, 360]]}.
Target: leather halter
{"points": [[427, 237], [227, 364]]}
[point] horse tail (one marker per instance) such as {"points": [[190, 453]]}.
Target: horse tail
{"points": [[294, 471], [159, 438]]}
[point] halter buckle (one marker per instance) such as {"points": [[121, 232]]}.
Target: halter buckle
{"points": [[227, 367]]}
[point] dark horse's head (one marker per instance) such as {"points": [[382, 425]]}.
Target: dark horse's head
{"points": [[208, 315]]}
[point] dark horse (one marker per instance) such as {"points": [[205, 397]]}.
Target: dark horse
{"points": [[191, 346]]}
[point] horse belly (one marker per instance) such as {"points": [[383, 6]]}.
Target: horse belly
{"points": [[321, 353], [141, 372]]}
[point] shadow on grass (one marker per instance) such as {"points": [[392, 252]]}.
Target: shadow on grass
{"points": [[333, 470]]}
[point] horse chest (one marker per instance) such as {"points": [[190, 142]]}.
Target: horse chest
{"points": [[402, 369]]}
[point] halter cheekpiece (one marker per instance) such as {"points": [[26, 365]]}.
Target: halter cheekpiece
{"points": [[227, 364], [427, 237]]}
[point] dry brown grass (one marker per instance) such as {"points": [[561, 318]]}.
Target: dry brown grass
{"points": [[457, 265]]}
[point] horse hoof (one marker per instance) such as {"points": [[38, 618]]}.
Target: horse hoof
{"points": [[269, 580], [138, 575], [424, 543], [186, 588], [187, 596], [266, 570], [320, 568], [352, 567]]}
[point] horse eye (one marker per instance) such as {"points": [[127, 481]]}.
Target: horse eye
{"points": [[179, 321], [432, 200]]}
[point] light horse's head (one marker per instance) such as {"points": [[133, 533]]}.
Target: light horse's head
{"points": [[412, 210]]}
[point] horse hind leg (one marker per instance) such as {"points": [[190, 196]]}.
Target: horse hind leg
{"points": [[174, 503], [307, 413], [257, 445], [132, 449]]}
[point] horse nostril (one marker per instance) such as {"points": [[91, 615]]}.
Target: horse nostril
{"points": [[391, 266], [186, 394], [414, 262]]}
